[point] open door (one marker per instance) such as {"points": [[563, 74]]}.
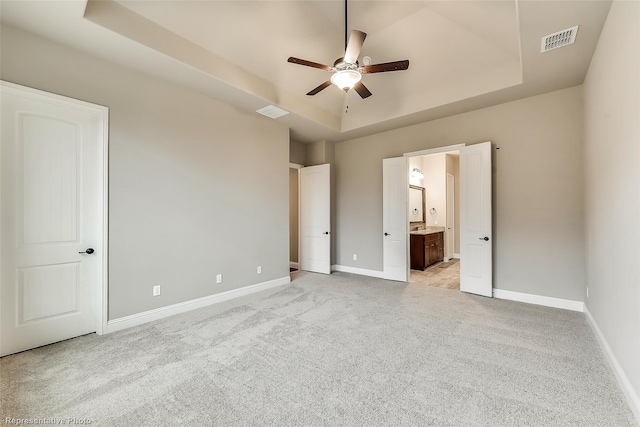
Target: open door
{"points": [[395, 222], [476, 275], [315, 219]]}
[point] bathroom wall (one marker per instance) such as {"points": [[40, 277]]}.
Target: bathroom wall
{"points": [[453, 167], [435, 184]]}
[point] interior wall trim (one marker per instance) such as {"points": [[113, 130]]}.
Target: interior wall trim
{"points": [[355, 270], [627, 389], [566, 304], [182, 307]]}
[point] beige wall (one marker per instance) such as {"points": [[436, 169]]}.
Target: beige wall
{"points": [[537, 189], [435, 185], [612, 201], [456, 206], [453, 167], [196, 187], [297, 153]]}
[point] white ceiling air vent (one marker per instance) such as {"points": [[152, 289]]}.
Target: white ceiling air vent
{"points": [[559, 39], [272, 111]]}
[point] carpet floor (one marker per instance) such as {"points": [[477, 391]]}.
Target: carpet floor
{"points": [[335, 349]]}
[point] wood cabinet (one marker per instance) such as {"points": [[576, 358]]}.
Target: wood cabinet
{"points": [[426, 249]]}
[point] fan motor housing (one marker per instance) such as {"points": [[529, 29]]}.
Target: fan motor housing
{"points": [[341, 65]]}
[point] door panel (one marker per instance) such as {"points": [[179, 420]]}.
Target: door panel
{"points": [[315, 219], [52, 209], [476, 274], [395, 219]]}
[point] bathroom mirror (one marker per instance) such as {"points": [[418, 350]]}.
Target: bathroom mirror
{"points": [[417, 203]]}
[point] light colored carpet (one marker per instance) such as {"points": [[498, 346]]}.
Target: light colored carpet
{"points": [[329, 350]]}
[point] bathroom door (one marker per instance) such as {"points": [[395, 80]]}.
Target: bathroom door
{"points": [[476, 243]]}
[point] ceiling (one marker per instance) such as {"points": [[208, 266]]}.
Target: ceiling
{"points": [[463, 55]]}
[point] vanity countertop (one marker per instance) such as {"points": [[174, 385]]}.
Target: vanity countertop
{"points": [[428, 230]]}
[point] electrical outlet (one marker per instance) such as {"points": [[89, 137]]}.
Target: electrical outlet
{"points": [[355, 257], [259, 270], [156, 290], [436, 222], [219, 278]]}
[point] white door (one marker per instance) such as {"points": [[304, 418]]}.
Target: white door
{"points": [[315, 219], [52, 210], [475, 217], [449, 232], [395, 221]]}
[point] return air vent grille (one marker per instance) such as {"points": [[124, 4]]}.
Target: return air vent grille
{"points": [[272, 111], [559, 39]]}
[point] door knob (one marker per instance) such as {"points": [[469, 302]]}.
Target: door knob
{"points": [[486, 239], [88, 251], [326, 232], [387, 234]]}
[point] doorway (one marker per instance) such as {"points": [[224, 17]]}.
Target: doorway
{"points": [[475, 225], [435, 175], [294, 216]]}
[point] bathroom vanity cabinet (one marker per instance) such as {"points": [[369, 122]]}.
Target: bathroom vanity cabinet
{"points": [[426, 249]]}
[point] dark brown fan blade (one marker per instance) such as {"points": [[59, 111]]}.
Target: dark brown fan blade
{"points": [[319, 88], [356, 39], [362, 90], [308, 63], [387, 66]]}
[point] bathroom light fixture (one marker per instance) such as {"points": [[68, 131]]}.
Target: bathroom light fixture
{"points": [[346, 79], [416, 173]]}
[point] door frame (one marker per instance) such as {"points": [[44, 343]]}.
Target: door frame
{"points": [[426, 152], [298, 167], [324, 168], [102, 138], [451, 209]]}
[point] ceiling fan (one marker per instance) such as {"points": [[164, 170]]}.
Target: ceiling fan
{"points": [[347, 72]]}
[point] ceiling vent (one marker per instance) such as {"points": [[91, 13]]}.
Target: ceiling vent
{"points": [[559, 39], [272, 111]]}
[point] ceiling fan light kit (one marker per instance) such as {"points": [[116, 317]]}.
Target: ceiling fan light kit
{"points": [[346, 79]]}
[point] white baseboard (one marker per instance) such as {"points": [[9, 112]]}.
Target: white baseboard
{"points": [[182, 307], [354, 270], [566, 304], [623, 381], [294, 265], [456, 256]]}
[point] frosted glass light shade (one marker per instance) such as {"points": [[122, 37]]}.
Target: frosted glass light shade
{"points": [[346, 79]]}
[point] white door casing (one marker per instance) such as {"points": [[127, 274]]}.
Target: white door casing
{"points": [[395, 220], [53, 181], [475, 220], [315, 219], [449, 232]]}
